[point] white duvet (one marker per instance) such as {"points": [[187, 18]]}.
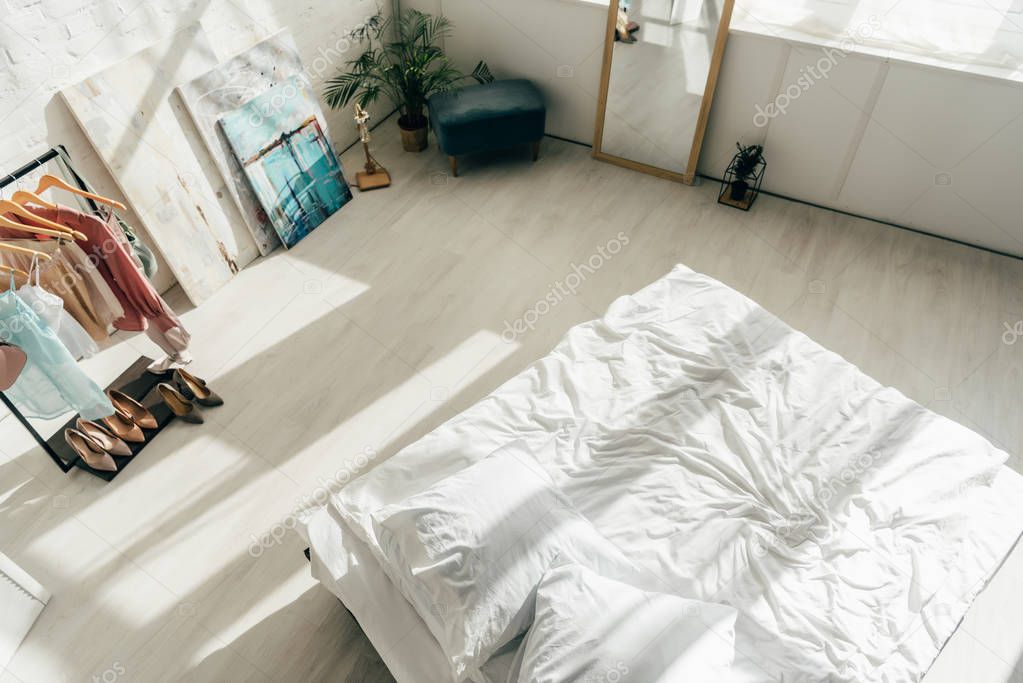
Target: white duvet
{"points": [[745, 464]]}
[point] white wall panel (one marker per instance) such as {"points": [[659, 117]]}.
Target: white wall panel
{"points": [[952, 214], [945, 115], [557, 45], [752, 68], [816, 120], [991, 178], [886, 178], [942, 154]]}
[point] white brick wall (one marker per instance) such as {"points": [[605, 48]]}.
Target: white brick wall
{"points": [[48, 44]]}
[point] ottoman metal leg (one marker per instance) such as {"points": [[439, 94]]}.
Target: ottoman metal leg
{"points": [[454, 165], [536, 150]]}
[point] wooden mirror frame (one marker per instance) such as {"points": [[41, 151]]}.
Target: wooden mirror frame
{"points": [[689, 175]]}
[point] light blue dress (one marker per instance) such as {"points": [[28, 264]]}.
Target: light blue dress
{"points": [[52, 383], [50, 309]]}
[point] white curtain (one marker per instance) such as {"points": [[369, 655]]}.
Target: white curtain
{"points": [[984, 33]]}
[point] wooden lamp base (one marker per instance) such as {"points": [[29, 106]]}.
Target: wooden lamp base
{"points": [[371, 181]]}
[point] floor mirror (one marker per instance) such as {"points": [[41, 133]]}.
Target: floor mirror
{"points": [[661, 63]]}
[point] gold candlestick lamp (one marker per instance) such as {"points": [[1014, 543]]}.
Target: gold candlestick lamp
{"points": [[375, 175]]}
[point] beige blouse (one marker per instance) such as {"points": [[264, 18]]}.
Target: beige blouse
{"points": [[72, 277]]}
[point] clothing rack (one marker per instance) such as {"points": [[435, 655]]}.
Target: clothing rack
{"points": [[65, 467], [135, 382], [14, 177], [33, 165], [45, 158]]}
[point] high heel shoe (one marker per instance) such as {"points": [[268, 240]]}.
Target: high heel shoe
{"points": [[123, 427], [179, 405], [135, 410], [110, 442], [195, 389], [88, 450]]}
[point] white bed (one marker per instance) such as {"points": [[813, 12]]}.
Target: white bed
{"points": [[742, 463], [346, 566]]}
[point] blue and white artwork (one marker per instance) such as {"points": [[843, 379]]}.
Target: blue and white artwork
{"points": [[280, 142]]}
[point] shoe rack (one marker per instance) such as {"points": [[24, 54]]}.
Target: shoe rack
{"points": [[136, 382]]}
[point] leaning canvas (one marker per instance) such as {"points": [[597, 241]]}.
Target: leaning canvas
{"points": [[225, 88], [279, 140], [132, 124]]}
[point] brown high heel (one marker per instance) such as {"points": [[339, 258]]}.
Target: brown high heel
{"points": [[89, 451], [123, 427], [110, 442], [179, 405], [138, 413], [195, 389]]}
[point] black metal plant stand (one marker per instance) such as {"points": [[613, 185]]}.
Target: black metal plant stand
{"points": [[741, 192]]}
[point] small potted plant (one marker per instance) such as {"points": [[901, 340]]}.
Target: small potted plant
{"points": [[744, 173], [744, 166], [407, 67]]}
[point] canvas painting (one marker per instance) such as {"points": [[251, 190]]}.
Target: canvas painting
{"points": [[225, 88], [131, 123], [279, 141]]}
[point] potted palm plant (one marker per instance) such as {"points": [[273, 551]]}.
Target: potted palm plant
{"points": [[407, 67]]}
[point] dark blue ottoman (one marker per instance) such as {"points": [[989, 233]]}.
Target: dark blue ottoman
{"points": [[486, 117]]}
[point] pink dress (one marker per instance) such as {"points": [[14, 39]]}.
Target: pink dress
{"points": [[144, 308]]}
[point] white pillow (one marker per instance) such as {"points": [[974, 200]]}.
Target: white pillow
{"points": [[590, 628], [469, 551]]}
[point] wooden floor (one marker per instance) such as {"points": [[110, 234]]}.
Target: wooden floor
{"points": [[387, 321]]}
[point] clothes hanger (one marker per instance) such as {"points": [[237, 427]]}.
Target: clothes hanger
{"points": [[47, 227], [32, 230], [23, 197], [22, 250], [48, 181], [16, 271]]}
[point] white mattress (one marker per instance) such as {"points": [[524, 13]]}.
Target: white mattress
{"points": [[745, 464]]}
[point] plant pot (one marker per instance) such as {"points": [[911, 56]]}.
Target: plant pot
{"points": [[413, 139], [738, 190]]}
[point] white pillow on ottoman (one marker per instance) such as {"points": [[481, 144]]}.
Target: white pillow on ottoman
{"points": [[590, 628], [469, 551]]}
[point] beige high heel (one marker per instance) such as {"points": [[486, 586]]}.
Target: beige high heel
{"points": [[138, 413], [124, 427], [89, 451], [109, 441], [179, 405]]}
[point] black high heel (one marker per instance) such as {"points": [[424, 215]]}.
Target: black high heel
{"points": [[179, 405], [195, 389]]}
